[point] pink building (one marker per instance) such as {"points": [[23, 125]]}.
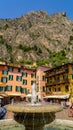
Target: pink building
{"points": [[41, 81]]}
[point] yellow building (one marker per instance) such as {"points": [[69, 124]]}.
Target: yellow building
{"points": [[59, 81]]}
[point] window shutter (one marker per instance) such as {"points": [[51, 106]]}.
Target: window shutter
{"points": [[21, 89], [2, 71], [6, 88], [6, 80], [22, 74], [2, 79], [17, 78], [72, 76], [11, 88]]}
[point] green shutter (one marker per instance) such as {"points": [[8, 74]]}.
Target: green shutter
{"points": [[16, 78], [6, 88], [72, 76], [9, 77], [2, 79], [2, 71], [26, 90], [0, 88], [21, 89], [11, 88], [6, 80], [19, 69]]}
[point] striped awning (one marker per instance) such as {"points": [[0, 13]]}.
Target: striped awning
{"points": [[66, 96]]}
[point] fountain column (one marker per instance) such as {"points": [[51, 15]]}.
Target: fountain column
{"points": [[33, 97]]}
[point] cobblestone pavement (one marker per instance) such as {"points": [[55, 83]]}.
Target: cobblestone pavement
{"points": [[64, 114]]}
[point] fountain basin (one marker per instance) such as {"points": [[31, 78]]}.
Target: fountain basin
{"points": [[34, 117], [25, 108]]}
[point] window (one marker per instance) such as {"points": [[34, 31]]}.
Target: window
{"points": [[47, 80], [4, 79], [65, 77], [18, 88], [10, 77], [59, 89], [4, 72], [24, 90], [28, 91], [11, 69], [24, 81], [32, 82], [18, 78], [72, 67], [19, 69], [33, 75], [24, 74], [55, 78], [55, 89], [50, 89], [58, 78], [47, 89], [37, 88], [66, 88], [8, 88], [43, 78], [43, 88], [2, 89], [72, 76], [50, 80]]}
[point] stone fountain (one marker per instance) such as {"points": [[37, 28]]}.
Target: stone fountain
{"points": [[34, 115]]}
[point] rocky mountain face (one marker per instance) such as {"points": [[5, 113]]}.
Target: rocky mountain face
{"points": [[36, 36]]}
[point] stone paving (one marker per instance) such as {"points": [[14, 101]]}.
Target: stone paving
{"points": [[64, 114]]}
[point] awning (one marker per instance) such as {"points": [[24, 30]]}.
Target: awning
{"points": [[28, 95], [22, 96], [14, 94], [1, 97], [66, 96]]}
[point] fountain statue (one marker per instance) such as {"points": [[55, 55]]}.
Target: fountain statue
{"points": [[34, 115]]}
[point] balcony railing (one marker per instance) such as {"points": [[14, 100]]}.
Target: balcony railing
{"points": [[57, 82], [64, 70]]}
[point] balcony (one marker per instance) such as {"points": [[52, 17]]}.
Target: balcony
{"points": [[57, 82], [56, 72]]}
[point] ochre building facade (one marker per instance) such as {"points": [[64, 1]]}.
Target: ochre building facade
{"points": [[59, 80]]}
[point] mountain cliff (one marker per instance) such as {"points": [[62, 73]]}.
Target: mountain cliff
{"points": [[37, 37]]}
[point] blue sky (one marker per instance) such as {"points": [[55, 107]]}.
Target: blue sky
{"points": [[16, 8]]}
